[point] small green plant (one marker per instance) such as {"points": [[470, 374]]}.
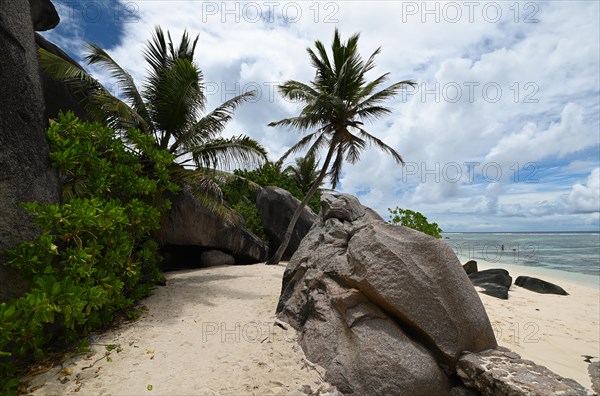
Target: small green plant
{"points": [[414, 220], [94, 256]]}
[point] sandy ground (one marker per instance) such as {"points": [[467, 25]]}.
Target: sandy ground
{"points": [[554, 331], [208, 332], [212, 332]]}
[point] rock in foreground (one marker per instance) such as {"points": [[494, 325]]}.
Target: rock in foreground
{"points": [[25, 170], [385, 309], [502, 372]]}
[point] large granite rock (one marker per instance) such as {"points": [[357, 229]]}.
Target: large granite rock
{"points": [[384, 309], [188, 223], [25, 170], [594, 372], [501, 372], [276, 207], [57, 95], [539, 286], [43, 15], [494, 282]]}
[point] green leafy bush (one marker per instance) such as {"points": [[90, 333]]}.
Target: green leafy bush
{"points": [[415, 220], [94, 255]]}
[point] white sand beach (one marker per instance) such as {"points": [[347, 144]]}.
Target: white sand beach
{"points": [[212, 332], [208, 332], [552, 330]]}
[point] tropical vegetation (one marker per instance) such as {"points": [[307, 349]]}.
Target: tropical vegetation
{"points": [[414, 220], [304, 172], [336, 106], [95, 256], [240, 192], [167, 108]]}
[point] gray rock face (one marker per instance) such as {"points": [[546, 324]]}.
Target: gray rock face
{"points": [[43, 15], [25, 171], [539, 286], [212, 258], [594, 372], [502, 372], [368, 300], [276, 207], [188, 223], [464, 391], [470, 267], [495, 282], [57, 95]]}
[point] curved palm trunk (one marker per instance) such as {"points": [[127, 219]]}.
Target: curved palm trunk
{"points": [[288, 233]]}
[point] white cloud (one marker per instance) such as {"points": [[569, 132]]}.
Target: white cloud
{"points": [[502, 92], [585, 198]]}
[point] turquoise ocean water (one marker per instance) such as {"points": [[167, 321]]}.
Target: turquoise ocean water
{"points": [[577, 252]]}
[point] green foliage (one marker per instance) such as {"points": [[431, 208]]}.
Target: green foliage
{"points": [[240, 193], [414, 220], [170, 107], [304, 172], [94, 255]]}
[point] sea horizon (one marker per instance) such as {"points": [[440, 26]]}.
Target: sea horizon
{"points": [[521, 232], [575, 252]]}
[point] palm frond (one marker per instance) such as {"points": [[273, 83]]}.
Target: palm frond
{"points": [[236, 152], [353, 146], [378, 143], [175, 99], [211, 125], [302, 144], [127, 87], [205, 189], [63, 70], [336, 167]]}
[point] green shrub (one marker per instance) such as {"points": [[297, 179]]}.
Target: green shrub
{"points": [[414, 220], [94, 256]]}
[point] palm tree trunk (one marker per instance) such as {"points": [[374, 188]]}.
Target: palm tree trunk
{"points": [[288, 233]]}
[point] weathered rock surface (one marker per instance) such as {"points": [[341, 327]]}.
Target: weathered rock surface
{"points": [[539, 286], [57, 95], [470, 267], [594, 372], [212, 258], [385, 309], [276, 207], [25, 170], [43, 15], [188, 223], [501, 372], [494, 282], [464, 391]]}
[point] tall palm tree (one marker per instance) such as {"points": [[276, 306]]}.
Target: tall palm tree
{"points": [[336, 104], [168, 107], [304, 172]]}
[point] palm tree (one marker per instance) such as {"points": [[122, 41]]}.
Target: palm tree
{"points": [[168, 107], [304, 173], [335, 106]]}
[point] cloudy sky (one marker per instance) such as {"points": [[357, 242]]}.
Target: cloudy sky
{"points": [[502, 132]]}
